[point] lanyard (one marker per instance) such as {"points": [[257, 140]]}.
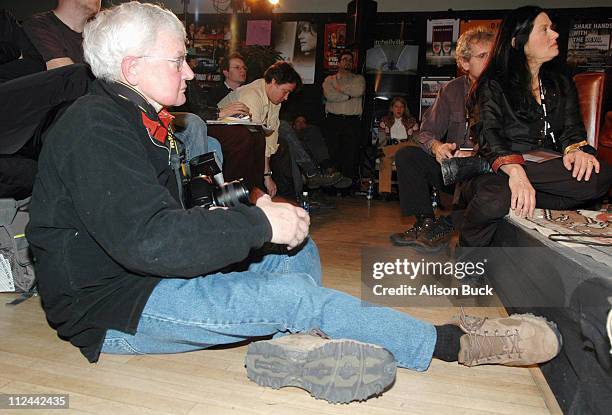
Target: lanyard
{"points": [[547, 125]]}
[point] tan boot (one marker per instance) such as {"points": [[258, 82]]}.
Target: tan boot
{"points": [[339, 371], [518, 340]]}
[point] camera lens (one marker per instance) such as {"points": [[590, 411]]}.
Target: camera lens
{"points": [[231, 194]]}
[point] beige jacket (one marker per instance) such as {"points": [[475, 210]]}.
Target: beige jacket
{"points": [[254, 96]]}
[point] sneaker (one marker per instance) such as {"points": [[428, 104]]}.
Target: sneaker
{"points": [[344, 183], [407, 238], [434, 236], [518, 340], [323, 180], [429, 235], [338, 371]]}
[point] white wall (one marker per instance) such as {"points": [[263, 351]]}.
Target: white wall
{"points": [[339, 6], [24, 8]]}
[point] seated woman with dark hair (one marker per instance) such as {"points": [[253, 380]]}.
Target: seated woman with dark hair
{"points": [[398, 127], [521, 103]]}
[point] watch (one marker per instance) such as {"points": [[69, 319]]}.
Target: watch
{"points": [[589, 149]]}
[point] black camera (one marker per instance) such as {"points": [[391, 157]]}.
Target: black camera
{"points": [[206, 186]]}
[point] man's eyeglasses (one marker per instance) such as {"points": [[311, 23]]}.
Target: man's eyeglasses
{"points": [[177, 61], [239, 67]]}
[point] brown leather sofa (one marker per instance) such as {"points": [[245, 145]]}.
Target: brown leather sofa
{"points": [[590, 86]]}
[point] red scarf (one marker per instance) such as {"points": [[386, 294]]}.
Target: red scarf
{"points": [[158, 129]]}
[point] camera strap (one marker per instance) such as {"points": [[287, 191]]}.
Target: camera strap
{"points": [[158, 129]]}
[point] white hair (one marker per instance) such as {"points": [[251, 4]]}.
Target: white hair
{"points": [[129, 29]]}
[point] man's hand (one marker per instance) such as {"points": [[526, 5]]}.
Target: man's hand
{"points": [[234, 109], [270, 186], [583, 164], [289, 223], [523, 201], [443, 150]]}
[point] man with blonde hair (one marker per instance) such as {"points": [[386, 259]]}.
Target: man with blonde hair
{"points": [[124, 268], [443, 133]]}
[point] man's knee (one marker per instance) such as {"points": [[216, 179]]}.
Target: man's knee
{"points": [[307, 261], [409, 157]]}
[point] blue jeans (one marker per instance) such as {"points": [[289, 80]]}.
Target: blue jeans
{"points": [[277, 294], [191, 130]]}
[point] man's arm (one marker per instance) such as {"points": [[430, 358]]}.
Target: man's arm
{"points": [[48, 42], [435, 123], [331, 92], [256, 104], [355, 88], [137, 221], [58, 62]]}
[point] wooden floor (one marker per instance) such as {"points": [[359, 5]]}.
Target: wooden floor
{"points": [[34, 360]]}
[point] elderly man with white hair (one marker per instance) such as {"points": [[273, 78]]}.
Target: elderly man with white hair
{"points": [[124, 268]]}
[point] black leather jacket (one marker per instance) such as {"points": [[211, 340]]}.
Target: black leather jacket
{"points": [[502, 131]]}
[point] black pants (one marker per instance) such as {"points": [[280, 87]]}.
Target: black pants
{"points": [[343, 136], [487, 197], [417, 171]]}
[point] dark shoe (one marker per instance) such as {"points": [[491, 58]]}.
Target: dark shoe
{"points": [[339, 371], [317, 203], [435, 236], [344, 183], [430, 235], [518, 340], [408, 237], [323, 180]]}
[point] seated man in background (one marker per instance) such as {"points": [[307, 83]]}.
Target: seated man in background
{"points": [[443, 132], [57, 33], [311, 138], [134, 272], [260, 107], [264, 97], [18, 57], [234, 73]]}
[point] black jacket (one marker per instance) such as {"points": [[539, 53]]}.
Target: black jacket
{"points": [[106, 222], [501, 130]]}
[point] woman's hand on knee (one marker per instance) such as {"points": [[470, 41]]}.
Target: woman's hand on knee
{"points": [[582, 164], [523, 199]]}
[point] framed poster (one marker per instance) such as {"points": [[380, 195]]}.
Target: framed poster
{"points": [[297, 43], [392, 57], [333, 44], [589, 45], [442, 35], [430, 85]]}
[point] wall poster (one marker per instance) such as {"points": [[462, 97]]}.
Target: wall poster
{"points": [[297, 43], [589, 45], [442, 37], [333, 44]]}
